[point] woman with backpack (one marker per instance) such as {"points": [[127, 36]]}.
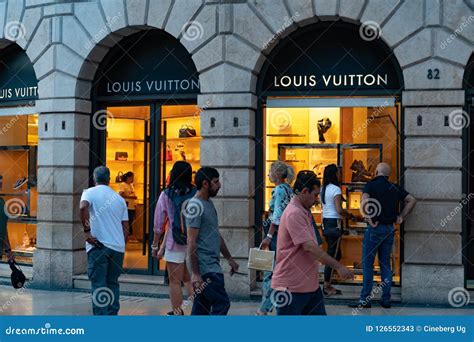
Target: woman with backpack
{"points": [[281, 175], [168, 214], [331, 201]]}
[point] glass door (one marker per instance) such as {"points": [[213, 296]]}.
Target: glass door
{"points": [[127, 156], [179, 139]]}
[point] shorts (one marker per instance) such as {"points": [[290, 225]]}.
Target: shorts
{"points": [[175, 257]]}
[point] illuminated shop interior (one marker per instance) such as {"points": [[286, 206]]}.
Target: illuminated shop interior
{"points": [[127, 149], [18, 182], [355, 139]]}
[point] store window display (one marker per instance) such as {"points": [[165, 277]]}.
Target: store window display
{"points": [[355, 139], [128, 156], [18, 181]]}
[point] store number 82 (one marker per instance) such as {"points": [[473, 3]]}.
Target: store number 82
{"points": [[433, 74]]}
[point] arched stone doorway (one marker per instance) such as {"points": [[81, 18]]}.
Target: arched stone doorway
{"points": [[338, 73], [19, 149], [145, 117]]}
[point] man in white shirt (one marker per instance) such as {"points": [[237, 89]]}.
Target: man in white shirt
{"points": [[104, 217]]}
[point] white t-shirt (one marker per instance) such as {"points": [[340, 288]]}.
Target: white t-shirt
{"points": [[329, 208], [107, 210]]}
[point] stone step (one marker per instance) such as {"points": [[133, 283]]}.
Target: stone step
{"points": [[137, 284], [349, 293]]}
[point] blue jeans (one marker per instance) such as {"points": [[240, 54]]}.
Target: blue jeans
{"points": [[306, 304], [104, 266], [332, 235], [211, 298], [379, 241], [266, 304]]}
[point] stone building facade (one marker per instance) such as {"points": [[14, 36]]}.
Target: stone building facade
{"points": [[66, 41]]}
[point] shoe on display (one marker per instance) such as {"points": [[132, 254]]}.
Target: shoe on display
{"points": [[359, 172], [19, 183], [324, 125]]}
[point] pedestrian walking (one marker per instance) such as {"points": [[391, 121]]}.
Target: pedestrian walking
{"points": [[169, 218], [104, 216], [380, 204], [295, 277], [281, 175], [205, 244]]}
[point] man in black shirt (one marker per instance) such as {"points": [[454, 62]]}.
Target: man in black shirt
{"points": [[380, 206]]}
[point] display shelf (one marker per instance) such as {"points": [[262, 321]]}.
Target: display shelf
{"points": [[125, 140], [20, 193], [286, 135], [287, 161], [125, 161], [24, 219], [15, 148], [184, 139]]}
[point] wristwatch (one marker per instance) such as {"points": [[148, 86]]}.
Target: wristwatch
{"points": [[270, 236]]}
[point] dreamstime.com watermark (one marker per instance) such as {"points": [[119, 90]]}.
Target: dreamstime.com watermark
{"points": [[370, 208], [458, 297], [192, 30], [377, 289], [287, 22], [46, 330], [370, 30], [464, 23], [109, 22], [15, 296], [103, 297], [456, 209], [375, 114], [9, 124]]}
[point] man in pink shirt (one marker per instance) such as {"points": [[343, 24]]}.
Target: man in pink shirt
{"points": [[295, 278]]}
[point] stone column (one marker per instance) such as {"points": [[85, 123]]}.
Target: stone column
{"points": [[433, 159], [229, 145], [63, 169]]}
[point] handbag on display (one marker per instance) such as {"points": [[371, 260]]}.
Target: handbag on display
{"points": [[187, 131], [121, 156], [119, 177], [261, 260], [169, 153]]}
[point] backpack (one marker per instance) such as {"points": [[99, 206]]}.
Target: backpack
{"points": [[178, 229]]}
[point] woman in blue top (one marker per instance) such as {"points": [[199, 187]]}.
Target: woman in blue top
{"points": [[281, 175]]}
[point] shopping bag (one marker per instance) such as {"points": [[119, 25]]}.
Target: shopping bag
{"points": [[261, 260]]}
